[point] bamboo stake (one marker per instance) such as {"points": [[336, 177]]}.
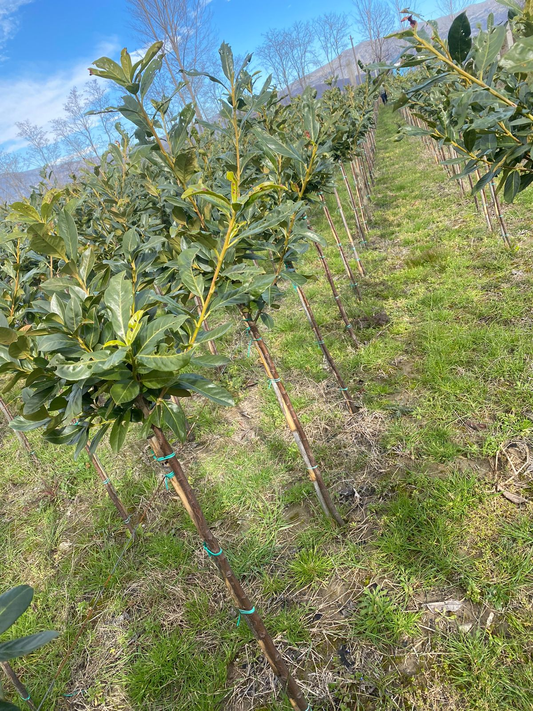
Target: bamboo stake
{"points": [[349, 234], [498, 211], [350, 404], [359, 222], [111, 491], [345, 262], [19, 686], [359, 198], [293, 422], [183, 489], [336, 296]]}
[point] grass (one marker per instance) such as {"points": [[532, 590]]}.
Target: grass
{"points": [[444, 377]]}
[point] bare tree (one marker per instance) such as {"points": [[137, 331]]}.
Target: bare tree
{"points": [[78, 131], [302, 50], [332, 31], [451, 7], [12, 180], [42, 148], [400, 5], [374, 20], [185, 26], [275, 54]]}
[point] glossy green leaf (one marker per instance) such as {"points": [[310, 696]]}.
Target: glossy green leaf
{"points": [[512, 186], [519, 59], [12, 604], [25, 645], [118, 433], [153, 332], [68, 233], [118, 297], [207, 388], [170, 363], [122, 392], [175, 419]]}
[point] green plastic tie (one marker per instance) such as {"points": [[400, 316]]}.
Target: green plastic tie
{"points": [[27, 697], [165, 458], [315, 467], [250, 344], [210, 553], [272, 380], [106, 482], [343, 388], [244, 612], [320, 343], [168, 476]]}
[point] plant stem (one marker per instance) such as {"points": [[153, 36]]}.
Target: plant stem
{"points": [[19, 686], [352, 407], [111, 491]]}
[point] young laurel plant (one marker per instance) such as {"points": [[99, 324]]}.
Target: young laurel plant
{"points": [[13, 604], [98, 347]]}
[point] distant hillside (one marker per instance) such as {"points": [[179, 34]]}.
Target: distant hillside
{"points": [[477, 14], [12, 185]]}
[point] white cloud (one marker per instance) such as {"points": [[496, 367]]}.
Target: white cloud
{"points": [[8, 19], [40, 99]]}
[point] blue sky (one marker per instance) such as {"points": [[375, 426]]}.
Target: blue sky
{"points": [[47, 45]]}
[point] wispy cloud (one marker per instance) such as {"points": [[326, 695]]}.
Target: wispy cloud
{"points": [[9, 20], [40, 99]]}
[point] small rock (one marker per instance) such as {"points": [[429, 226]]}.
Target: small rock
{"points": [[445, 606], [465, 626], [64, 546]]}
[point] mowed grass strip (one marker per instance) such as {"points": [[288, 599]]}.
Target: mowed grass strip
{"points": [[443, 376]]}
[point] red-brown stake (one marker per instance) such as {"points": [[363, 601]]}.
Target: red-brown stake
{"points": [[350, 404], [336, 295], [111, 491], [183, 489]]}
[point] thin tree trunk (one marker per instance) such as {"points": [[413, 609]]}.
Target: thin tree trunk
{"points": [[498, 211], [293, 422], [336, 296], [111, 492], [484, 204], [476, 202], [350, 404], [19, 686], [349, 234], [345, 262], [188, 498], [24, 441]]}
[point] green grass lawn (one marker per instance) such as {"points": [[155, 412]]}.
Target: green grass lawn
{"points": [[444, 378]]}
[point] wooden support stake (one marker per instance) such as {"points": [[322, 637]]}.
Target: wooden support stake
{"points": [[336, 296], [350, 404], [345, 262], [183, 489], [293, 421], [349, 234]]}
